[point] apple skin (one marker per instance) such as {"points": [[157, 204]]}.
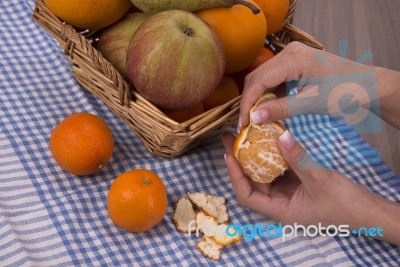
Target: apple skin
{"points": [[114, 40], [175, 60]]}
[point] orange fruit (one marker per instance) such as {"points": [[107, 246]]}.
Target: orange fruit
{"points": [[241, 32], [182, 115], [265, 55], [256, 149], [225, 91], [81, 143], [89, 14], [275, 12], [137, 200]]}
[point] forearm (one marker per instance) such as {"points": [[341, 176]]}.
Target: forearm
{"points": [[388, 82], [382, 214], [388, 219]]}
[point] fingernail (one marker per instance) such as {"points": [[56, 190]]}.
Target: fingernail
{"points": [[225, 157], [287, 140], [259, 116], [239, 126]]}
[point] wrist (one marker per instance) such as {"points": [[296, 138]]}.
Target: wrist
{"points": [[388, 82], [382, 215], [365, 210], [388, 218]]}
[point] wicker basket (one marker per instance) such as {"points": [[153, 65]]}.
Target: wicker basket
{"points": [[161, 135]]}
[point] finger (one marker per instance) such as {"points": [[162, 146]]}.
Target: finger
{"points": [[228, 140], [240, 183], [271, 110], [253, 197], [308, 171], [246, 103], [288, 184], [264, 79], [247, 196], [262, 188], [296, 60], [308, 101], [281, 90]]}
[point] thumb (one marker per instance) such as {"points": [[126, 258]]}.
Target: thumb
{"points": [[271, 110], [299, 160]]}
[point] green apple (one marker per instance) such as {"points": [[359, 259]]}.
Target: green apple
{"points": [[113, 42], [175, 60]]}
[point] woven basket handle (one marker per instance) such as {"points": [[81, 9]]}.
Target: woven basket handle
{"points": [[89, 60]]}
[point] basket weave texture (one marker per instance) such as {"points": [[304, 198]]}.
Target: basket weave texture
{"points": [[161, 135]]}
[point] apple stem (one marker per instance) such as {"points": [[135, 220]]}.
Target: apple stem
{"points": [[189, 32], [253, 8]]}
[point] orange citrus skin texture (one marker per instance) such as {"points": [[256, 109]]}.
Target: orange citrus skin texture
{"points": [[226, 90], [89, 14], [182, 115], [241, 32], [137, 200], [275, 12], [81, 143], [265, 55]]}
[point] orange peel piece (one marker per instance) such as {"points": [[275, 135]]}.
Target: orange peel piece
{"points": [[183, 215], [210, 248]]}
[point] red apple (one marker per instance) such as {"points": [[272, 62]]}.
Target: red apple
{"points": [[175, 60], [113, 42]]}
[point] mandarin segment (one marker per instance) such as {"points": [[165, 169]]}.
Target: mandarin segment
{"points": [[256, 149], [259, 154]]}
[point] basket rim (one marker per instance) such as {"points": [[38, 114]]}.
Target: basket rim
{"points": [[159, 131]]}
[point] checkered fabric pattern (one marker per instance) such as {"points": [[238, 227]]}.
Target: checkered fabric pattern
{"points": [[51, 218]]}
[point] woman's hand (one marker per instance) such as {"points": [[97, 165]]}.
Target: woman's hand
{"points": [[308, 194], [326, 84]]}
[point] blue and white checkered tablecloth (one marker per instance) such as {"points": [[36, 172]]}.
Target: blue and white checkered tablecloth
{"points": [[51, 218]]}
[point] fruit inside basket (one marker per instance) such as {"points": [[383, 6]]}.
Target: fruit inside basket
{"points": [[165, 131]]}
